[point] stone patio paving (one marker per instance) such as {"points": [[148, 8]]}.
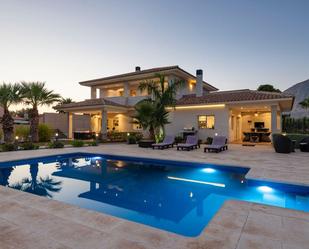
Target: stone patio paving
{"points": [[29, 221]]}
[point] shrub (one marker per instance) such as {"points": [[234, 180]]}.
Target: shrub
{"points": [[45, 133], [209, 140], [78, 143], [56, 144], [297, 138], [22, 131], [9, 147], [131, 139], [29, 146], [1, 134], [93, 143]]}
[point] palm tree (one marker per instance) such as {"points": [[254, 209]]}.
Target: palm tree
{"points": [[151, 112], [64, 101], [5, 174], [305, 103], [36, 94], [9, 94], [42, 186], [162, 92]]}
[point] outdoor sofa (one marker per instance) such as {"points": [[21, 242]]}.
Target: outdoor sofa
{"points": [[168, 142], [190, 144], [219, 143]]}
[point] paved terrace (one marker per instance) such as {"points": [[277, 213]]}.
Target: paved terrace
{"points": [[29, 221]]}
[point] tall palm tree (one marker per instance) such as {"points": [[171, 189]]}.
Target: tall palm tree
{"points": [[9, 94], [305, 103], [42, 186], [36, 94]]}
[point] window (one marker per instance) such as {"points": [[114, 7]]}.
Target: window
{"points": [[133, 92], [206, 122], [136, 125]]}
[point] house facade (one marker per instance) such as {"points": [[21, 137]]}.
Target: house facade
{"points": [[200, 108]]}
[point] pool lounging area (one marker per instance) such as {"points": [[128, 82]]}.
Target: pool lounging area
{"points": [[178, 197]]}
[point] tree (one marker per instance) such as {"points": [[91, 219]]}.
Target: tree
{"points": [[36, 94], [150, 116], [162, 92], [151, 112], [44, 186], [64, 101], [268, 88], [9, 94], [23, 113], [305, 103]]}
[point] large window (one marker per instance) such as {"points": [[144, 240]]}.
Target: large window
{"points": [[206, 122]]}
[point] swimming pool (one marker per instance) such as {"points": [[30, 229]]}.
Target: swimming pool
{"points": [[179, 197]]}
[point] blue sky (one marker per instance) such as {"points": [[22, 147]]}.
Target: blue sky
{"points": [[238, 44]]}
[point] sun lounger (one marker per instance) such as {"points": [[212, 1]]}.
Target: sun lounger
{"points": [[218, 144], [167, 142], [190, 144]]}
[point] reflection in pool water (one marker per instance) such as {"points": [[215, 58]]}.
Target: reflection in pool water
{"points": [[180, 199]]}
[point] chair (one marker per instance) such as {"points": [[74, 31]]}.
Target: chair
{"points": [[304, 145], [218, 144], [190, 144], [167, 142], [282, 144]]}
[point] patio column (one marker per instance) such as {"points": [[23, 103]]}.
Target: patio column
{"points": [[126, 90], [102, 93], [273, 114], [104, 123], [93, 93], [70, 125]]}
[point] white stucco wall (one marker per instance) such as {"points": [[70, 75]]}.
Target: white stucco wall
{"points": [[188, 118]]}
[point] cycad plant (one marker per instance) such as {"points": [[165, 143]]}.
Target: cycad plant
{"points": [[9, 94], [36, 94]]}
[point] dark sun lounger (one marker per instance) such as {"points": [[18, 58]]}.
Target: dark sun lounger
{"points": [[190, 144], [167, 142]]}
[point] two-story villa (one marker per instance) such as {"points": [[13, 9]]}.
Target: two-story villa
{"points": [[238, 114]]}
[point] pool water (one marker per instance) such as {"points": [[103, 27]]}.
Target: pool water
{"points": [[174, 196]]}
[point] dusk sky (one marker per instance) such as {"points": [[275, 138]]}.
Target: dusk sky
{"points": [[238, 44]]}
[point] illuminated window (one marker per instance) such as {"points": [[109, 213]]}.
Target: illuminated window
{"points": [[133, 92], [206, 122], [136, 126]]}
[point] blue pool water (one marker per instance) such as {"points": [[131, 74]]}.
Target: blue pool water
{"points": [[174, 196]]}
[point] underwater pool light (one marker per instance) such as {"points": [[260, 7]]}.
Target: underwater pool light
{"points": [[265, 189], [208, 170]]}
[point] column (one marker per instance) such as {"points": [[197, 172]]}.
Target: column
{"points": [[93, 93], [273, 114], [70, 125], [126, 90], [102, 93], [104, 123]]}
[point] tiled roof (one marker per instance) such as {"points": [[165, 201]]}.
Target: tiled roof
{"points": [[89, 102], [151, 70], [230, 96], [140, 72]]}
